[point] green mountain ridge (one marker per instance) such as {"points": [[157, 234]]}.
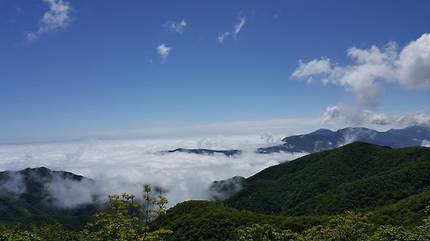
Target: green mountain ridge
{"points": [[355, 176]]}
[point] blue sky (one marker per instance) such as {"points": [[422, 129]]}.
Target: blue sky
{"points": [[94, 66]]}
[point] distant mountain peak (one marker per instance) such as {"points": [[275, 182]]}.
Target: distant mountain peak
{"points": [[324, 139], [322, 132]]}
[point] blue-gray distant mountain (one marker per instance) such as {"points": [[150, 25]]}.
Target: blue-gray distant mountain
{"points": [[324, 139], [207, 151]]}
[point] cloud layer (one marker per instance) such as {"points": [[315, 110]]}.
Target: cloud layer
{"points": [[124, 165]]}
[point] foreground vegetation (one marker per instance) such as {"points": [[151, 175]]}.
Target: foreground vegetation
{"points": [[125, 219]]}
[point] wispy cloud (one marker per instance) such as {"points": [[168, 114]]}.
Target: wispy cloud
{"points": [[163, 50], [237, 29], [223, 36], [176, 27], [57, 17], [239, 26]]}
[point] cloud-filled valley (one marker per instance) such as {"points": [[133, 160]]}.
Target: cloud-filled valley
{"points": [[119, 166]]}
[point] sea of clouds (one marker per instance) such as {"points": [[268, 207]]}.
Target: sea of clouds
{"points": [[125, 165], [123, 161]]}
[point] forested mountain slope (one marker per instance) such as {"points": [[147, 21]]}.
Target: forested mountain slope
{"points": [[356, 176]]}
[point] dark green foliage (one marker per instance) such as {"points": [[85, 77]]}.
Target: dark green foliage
{"points": [[407, 212], [125, 219], [353, 177], [264, 232], [202, 220], [41, 233]]}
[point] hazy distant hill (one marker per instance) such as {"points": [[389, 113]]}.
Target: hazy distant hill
{"points": [[207, 151], [355, 176], [28, 196], [324, 139]]}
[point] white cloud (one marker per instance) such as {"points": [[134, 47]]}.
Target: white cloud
{"points": [[237, 29], [223, 36], [413, 64], [57, 17], [373, 67], [163, 50], [124, 165], [177, 27], [426, 143], [377, 118], [343, 114], [420, 118], [332, 115], [239, 26], [314, 67]]}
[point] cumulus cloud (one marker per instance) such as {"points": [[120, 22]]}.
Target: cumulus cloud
{"points": [[57, 17], [312, 68], [409, 67], [163, 50], [176, 27], [354, 116], [413, 64], [124, 165], [237, 29], [426, 143], [332, 114], [420, 118]]}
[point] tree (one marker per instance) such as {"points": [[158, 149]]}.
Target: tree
{"points": [[126, 219], [265, 232], [390, 233], [348, 227], [42, 233]]}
